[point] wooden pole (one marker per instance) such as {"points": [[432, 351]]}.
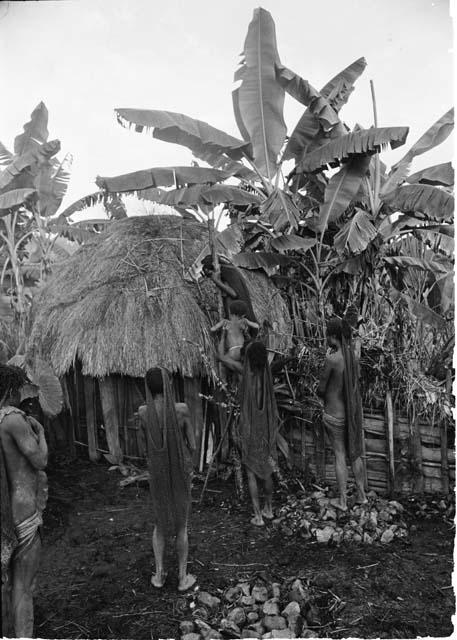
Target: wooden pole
{"points": [[92, 440], [390, 439], [443, 441]]}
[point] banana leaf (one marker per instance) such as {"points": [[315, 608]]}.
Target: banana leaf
{"points": [[412, 262], [280, 211], [261, 260], [6, 157], [52, 184], [259, 100], [356, 234], [12, 199], [424, 313], [196, 135], [430, 201], [364, 141], [337, 92], [434, 136], [236, 169], [33, 158], [438, 175], [35, 131], [341, 190], [83, 203], [161, 177], [201, 195], [292, 242]]}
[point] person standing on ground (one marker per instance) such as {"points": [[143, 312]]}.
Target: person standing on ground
{"points": [[258, 427], [170, 443], [342, 418], [24, 456]]}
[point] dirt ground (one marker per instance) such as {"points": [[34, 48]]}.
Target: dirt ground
{"points": [[97, 561]]}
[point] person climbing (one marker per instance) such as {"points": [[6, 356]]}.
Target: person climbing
{"points": [[235, 335], [258, 427], [342, 417], [24, 456], [170, 444]]}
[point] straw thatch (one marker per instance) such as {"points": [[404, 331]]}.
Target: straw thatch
{"points": [[124, 302]]}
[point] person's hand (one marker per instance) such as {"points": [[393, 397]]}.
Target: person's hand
{"points": [[37, 427]]}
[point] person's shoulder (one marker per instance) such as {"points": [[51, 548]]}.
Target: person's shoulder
{"points": [[142, 410], [13, 420], [182, 408], [335, 358]]}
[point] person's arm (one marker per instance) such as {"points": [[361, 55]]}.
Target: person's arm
{"points": [[253, 325], [217, 326], [324, 377], [30, 441], [223, 286], [187, 426]]}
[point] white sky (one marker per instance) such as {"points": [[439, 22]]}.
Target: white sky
{"points": [[84, 58]]}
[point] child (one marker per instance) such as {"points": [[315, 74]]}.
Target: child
{"points": [[236, 331]]}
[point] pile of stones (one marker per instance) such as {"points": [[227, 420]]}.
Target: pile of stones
{"points": [[315, 518], [259, 609]]}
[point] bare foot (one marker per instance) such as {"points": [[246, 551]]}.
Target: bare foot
{"points": [[268, 513], [361, 499], [187, 582], [337, 504], [258, 521], [158, 580]]}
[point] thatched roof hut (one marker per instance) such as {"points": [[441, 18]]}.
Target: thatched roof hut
{"points": [[125, 302]]}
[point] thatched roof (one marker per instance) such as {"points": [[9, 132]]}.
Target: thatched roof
{"points": [[122, 304]]}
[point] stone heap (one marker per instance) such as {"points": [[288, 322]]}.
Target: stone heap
{"points": [[315, 518], [259, 609]]}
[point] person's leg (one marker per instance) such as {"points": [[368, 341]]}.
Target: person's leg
{"points": [[267, 511], [185, 580], [357, 468], [254, 493], [341, 472], [158, 546], [25, 567]]}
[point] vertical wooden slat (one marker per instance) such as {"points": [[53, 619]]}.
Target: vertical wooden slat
{"points": [[390, 440], [417, 452], [110, 417], [92, 440]]}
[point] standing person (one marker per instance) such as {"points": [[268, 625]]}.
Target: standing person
{"points": [[170, 444], [24, 456], [258, 428], [342, 418], [235, 334]]}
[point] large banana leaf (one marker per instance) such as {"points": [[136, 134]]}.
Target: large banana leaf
{"points": [[292, 242], [31, 159], [234, 168], [424, 313], [337, 92], [406, 224], [52, 183], [341, 190], [438, 175], [196, 135], [304, 93], [35, 131], [363, 141], [259, 100], [6, 157], [280, 211], [13, 198], [261, 260], [200, 195], [356, 234], [413, 262], [161, 177], [434, 136], [430, 201], [83, 203]]}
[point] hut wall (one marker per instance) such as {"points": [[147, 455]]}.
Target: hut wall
{"points": [[312, 453]]}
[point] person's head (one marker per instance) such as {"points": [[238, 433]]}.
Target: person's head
{"points": [[12, 379], [238, 309], [154, 381], [334, 332], [207, 266], [257, 355]]}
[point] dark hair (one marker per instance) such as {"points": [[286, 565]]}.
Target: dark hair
{"points": [[238, 308], [11, 379], [335, 328], [207, 263], [154, 380], [257, 355]]}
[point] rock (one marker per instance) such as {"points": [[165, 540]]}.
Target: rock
{"points": [[208, 600], [237, 616], [250, 633], [186, 626], [270, 607], [323, 581], [413, 528], [206, 631], [191, 636], [247, 601], [324, 535], [274, 622], [318, 494], [337, 536], [367, 539], [323, 502], [309, 633], [293, 608], [330, 514], [312, 616], [268, 635], [252, 616], [245, 588], [230, 626], [357, 537], [284, 633], [296, 623], [233, 593], [396, 505], [384, 516], [387, 536], [260, 593], [372, 494], [276, 589], [257, 626]]}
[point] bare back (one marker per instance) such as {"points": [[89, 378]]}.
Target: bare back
{"points": [[25, 454], [332, 385]]}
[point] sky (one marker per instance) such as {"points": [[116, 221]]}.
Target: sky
{"points": [[84, 58]]}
